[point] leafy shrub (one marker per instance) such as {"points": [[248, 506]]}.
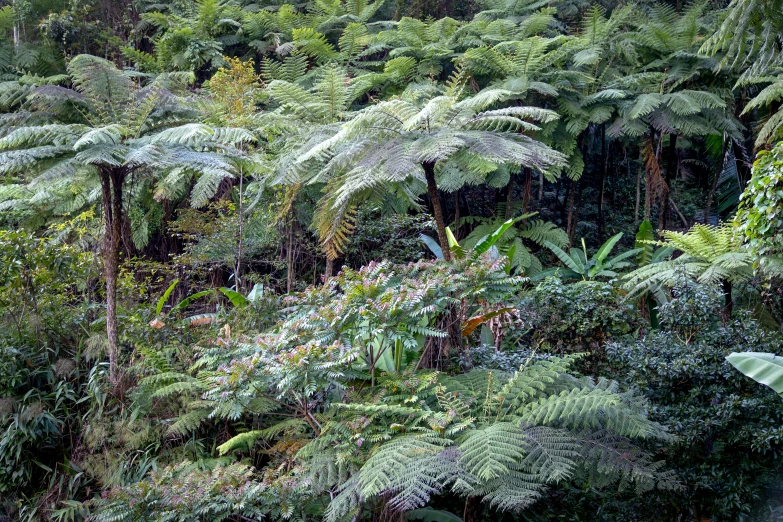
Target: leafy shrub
{"points": [[44, 313], [575, 317], [727, 427], [393, 238]]}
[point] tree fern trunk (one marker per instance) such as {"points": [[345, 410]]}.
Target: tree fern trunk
{"points": [[572, 211], [728, 301], [238, 268], [715, 178], [437, 210], [527, 194], [601, 185], [329, 272], [540, 186], [111, 188], [664, 219], [509, 197], [456, 215]]}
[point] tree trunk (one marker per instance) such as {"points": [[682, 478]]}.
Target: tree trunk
{"points": [[577, 204], [601, 185], [111, 189], [527, 193], [456, 214], [509, 197], [570, 222], [540, 185], [437, 210], [238, 268], [638, 194], [714, 187], [289, 283], [16, 29], [329, 269], [728, 301], [671, 164], [564, 209]]}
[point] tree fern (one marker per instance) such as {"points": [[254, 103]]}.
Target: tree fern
{"points": [[519, 433]]}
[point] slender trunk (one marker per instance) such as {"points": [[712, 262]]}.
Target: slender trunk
{"points": [[456, 214], [576, 185], [651, 174], [577, 205], [16, 29], [570, 226], [677, 210], [728, 301], [714, 187], [527, 194], [470, 513], [601, 185], [437, 210], [638, 194], [671, 165], [540, 185], [710, 196], [565, 210], [238, 267], [111, 190], [329, 268], [509, 197]]}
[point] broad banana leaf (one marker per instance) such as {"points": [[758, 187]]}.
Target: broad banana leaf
{"points": [[765, 368]]}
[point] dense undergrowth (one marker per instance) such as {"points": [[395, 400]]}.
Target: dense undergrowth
{"points": [[384, 261]]}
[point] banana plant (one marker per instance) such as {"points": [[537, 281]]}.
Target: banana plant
{"points": [[764, 368], [484, 245], [578, 265], [235, 298]]}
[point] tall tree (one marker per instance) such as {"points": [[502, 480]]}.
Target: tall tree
{"points": [[111, 127], [426, 139]]}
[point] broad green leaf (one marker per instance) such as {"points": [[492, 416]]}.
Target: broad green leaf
{"points": [[489, 241], [454, 246], [432, 245], [644, 238], [186, 302], [765, 368], [607, 247], [564, 257], [235, 297], [165, 297], [256, 293]]}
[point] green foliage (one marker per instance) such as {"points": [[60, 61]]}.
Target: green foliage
{"points": [[394, 237], [388, 144], [247, 140], [710, 255], [727, 426], [599, 265], [110, 122], [765, 368], [500, 436], [760, 216], [45, 305], [512, 242], [168, 495], [575, 317]]}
